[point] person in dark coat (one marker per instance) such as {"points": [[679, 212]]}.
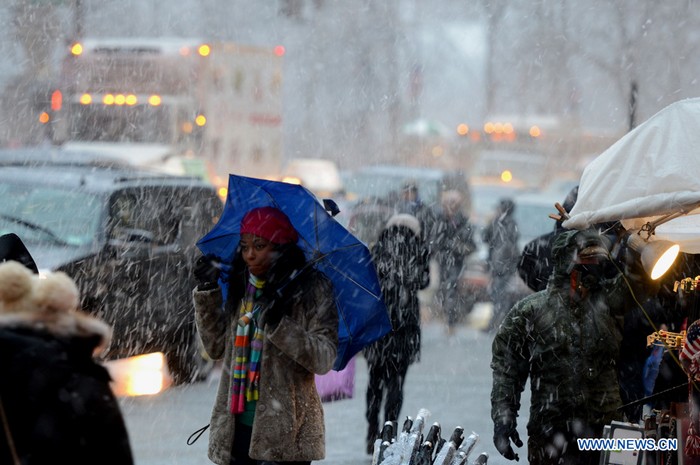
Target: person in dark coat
{"points": [[566, 339], [276, 330], [453, 242], [56, 404], [535, 264], [401, 260], [535, 267], [501, 237]]}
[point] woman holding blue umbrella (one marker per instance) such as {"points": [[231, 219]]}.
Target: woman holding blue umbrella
{"points": [[276, 329]]}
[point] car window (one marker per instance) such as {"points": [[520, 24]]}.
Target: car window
{"points": [[39, 212]]}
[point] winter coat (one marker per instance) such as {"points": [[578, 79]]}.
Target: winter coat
{"points": [[501, 236], [453, 240], [401, 260], [568, 347], [57, 399], [289, 424]]}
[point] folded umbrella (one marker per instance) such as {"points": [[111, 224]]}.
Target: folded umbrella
{"points": [[332, 249]]}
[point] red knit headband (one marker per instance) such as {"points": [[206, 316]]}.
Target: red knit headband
{"points": [[269, 223]]}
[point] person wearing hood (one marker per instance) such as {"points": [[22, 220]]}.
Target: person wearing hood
{"points": [[566, 339], [56, 403], [276, 329], [453, 242], [535, 263], [401, 260]]}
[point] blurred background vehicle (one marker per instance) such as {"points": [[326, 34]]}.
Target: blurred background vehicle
{"points": [[126, 236], [322, 178]]}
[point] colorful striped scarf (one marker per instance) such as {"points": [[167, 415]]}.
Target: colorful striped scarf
{"points": [[247, 350]]}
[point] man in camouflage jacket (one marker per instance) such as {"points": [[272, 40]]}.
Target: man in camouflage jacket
{"points": [[566, 339]]}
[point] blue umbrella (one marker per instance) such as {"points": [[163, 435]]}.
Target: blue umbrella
{"points": [[363, 317]]}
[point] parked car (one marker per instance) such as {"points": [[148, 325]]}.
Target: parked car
{"points": [[126, 236]]}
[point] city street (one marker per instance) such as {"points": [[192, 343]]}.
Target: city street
{"points": [[452, 381]]}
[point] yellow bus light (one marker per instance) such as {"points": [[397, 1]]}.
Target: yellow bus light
{"points": [[44, 117], [223, 192], [462, 129], [86, 99], [489, 128], [506, 176], [154, 100], [200, 120], [204, 50], [535, 131], [119, 99], [131, 99], [76, 49], [108, 99]]}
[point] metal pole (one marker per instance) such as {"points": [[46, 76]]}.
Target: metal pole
{"points": [[633, 104]]}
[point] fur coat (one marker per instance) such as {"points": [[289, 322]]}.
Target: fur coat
{"points": [[289, 424]]}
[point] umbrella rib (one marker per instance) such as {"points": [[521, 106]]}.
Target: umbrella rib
{"points": [[345, 275]]}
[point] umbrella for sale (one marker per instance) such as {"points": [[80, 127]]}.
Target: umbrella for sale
{"points": [[363, 317]]}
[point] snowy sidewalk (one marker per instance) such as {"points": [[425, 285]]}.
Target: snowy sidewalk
{"points": [[452, 380]]}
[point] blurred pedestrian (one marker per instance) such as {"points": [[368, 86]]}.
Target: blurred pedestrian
{"points": [[501, 236], [56, 403], [277, 328], [453, 242], [410, 202], [566, 339], [401, 260], [535, 263]]}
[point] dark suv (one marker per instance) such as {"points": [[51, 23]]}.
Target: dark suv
{"points": [[126, 236]]}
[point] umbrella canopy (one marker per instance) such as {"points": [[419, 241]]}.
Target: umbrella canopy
{"points": [[651, 172], [363, 317]]}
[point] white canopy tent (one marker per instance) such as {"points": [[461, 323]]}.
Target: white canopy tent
{"points": [[651, 172]]}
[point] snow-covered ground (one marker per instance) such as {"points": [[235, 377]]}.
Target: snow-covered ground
{"points": [[452, 381]]}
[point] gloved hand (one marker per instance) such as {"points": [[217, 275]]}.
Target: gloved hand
{"points": [[206, 273], [270, 314], [503, 434]]}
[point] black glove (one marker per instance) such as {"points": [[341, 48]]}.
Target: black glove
{"points": [[503, 434], [270, 314], [206, 273]]}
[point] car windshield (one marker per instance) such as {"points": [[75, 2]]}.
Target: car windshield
{"points": [[47, 214]]}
